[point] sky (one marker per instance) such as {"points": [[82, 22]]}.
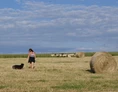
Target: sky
{"points": [[52, 26]]}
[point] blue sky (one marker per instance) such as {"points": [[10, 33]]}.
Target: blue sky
{"points": [[58, 25]]}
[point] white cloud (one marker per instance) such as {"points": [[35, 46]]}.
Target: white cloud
{"points": [[84, 49], [19, 1], [71, 34]]}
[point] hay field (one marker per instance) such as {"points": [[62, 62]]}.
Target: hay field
{"points": [[55, 75]]}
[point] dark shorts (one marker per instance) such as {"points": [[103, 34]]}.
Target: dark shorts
{"points": [[31, 59]]}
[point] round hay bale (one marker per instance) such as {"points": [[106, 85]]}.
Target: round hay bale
{"points": [[80, 54], [103, 62]]}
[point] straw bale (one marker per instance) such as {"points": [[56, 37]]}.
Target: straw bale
{"points": [[103, 62], [80, 54]]}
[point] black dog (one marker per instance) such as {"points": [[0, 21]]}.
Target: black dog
{"points": [[18, 66]]}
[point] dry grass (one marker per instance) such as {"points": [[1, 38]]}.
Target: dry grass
{"points": [[55, 75]]}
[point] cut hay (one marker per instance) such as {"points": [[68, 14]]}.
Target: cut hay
{"points": [[80, 54], [102, 62]]}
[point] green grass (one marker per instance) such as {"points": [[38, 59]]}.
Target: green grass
{"points": [[22, 55], [45, 55], [55, 75], [88, 85], [77, 85]]}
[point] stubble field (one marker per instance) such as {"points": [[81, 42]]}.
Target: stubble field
{"points": [[55, 75]]}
